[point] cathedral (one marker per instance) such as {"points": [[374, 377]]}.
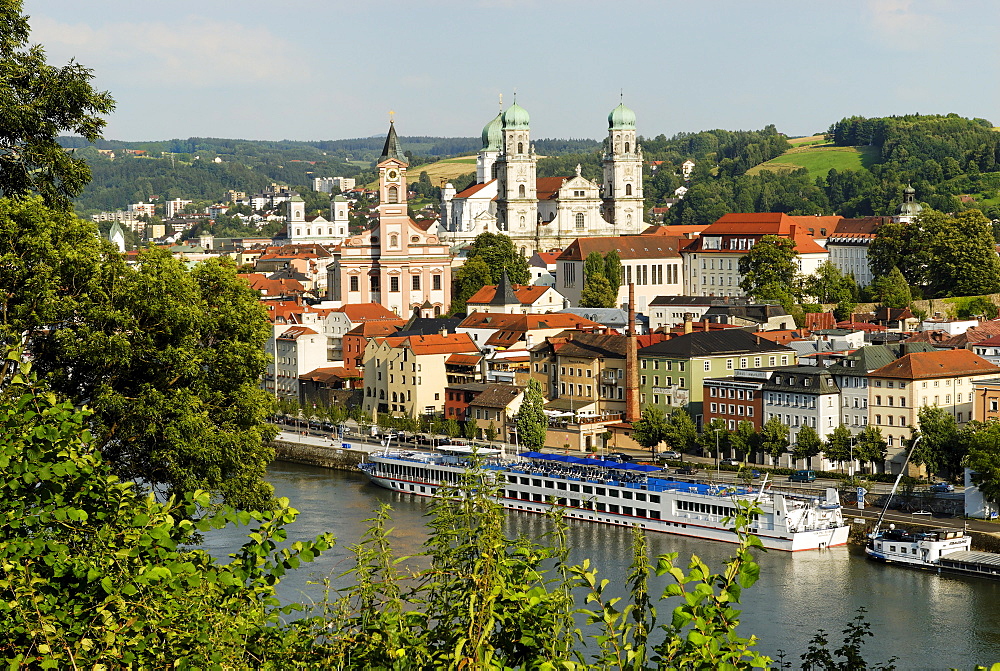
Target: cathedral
{"points": [[547, 213]]}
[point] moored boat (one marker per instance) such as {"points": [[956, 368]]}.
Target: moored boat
{"points": [[622, 494]]}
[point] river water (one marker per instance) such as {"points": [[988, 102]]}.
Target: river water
{"points": [[927, 621]]}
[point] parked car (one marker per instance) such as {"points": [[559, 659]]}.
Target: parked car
{"points": [[732, 462], [802, 476], [619, 456], [942, 487], [687, 469], [668, 455]]}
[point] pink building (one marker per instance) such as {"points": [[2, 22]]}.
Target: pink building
{"points": [[396, 263]]}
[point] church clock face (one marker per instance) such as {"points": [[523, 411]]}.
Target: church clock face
{"points": [[392, 174]]}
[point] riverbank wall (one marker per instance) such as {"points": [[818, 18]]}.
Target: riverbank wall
{"points": [[324, 456]]}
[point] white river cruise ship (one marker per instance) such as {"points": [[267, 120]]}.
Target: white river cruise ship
{"points": [[623, 494]]}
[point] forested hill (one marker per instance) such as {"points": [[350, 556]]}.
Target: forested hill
{"points": [[951, 161], [204, 168]]}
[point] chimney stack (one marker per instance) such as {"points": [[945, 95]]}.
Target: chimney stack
{"points": [[706, 323], [688, 324], [632, 411]]}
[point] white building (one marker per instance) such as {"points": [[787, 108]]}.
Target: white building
{"points": [[712, 260], [148, 209], [174, 207], [327, 184], [297, 350], [331, 231], [802, 396], [542, 214]]}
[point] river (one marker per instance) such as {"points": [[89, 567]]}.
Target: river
{"points": [[927, 621]]}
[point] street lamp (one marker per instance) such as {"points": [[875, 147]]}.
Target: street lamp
{"points": [[717, 468], [852, 457]]}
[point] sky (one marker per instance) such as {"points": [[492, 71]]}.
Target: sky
{"points": [[328, 69]]}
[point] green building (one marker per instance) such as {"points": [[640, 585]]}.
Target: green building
{"points": [[672, 372]]}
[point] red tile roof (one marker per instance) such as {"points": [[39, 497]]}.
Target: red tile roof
{"points": [[435, 343], [522, 323], [331, 373], [942, 363], [473, 190], [757, 225], [525, 294], [360, 312], [548, 258], [628, 246], [547, 188], [371, 329], [463, 360], [295, 332]]}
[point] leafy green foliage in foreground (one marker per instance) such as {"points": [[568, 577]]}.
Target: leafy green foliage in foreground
{"points": [[93, 575]]}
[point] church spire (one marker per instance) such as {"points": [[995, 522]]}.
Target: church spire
{"points": [[505, 292], [392, 148]]}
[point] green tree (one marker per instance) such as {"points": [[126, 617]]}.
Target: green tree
{"points": [[38, 102], [499, 253], [983, 460], [597, 292], [807, 444], [838, 445], [715, 433], [943, 447], [770, 262], [744, 439], [472, 276], [891, 290], [682, 434], [451, 428], [531, 423], [650, 429], [593, 265], [95, 572], [774, 438], [613, 269], [871, 446]]}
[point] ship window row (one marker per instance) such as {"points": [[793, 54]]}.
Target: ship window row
{"points": [[586, 489], [421, 473], [587, 505], [708, 509]]}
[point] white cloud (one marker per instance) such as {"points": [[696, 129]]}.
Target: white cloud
{"points": [[188, 53], [906, 24]]}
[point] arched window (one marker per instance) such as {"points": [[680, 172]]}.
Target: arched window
{"points": [[381, 394], [437, 310], [394, 397], [393, 240], [579, 221], [520, 147], [626, 147], [393, 194], [628, 189], [329, 231], [308, 231], [520, 191], [524, 251]]}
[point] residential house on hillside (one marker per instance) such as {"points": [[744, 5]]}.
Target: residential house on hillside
{"points": [[712, 259], [510, 298], [801, 396], [652, 262], [672, 373], [850, 374], [407, 375], [898, 390]]}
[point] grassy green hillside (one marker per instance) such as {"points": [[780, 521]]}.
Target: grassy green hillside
{"points": [[819, 159], [445, 170]]}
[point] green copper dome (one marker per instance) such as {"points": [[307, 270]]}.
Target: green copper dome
{"points": [[621, 117], [493, 134], [516, 118]]}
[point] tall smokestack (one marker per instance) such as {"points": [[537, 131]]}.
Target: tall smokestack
{"points": [[631, 362]]}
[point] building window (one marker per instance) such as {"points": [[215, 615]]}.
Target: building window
{"points": [[354, 283], [394, 284], [415, 282], [579, 221], [436, 282], [569, 275], [520, 149], [628, 189], [394, 240], [393, 195], [708, 366], [520, 191]]}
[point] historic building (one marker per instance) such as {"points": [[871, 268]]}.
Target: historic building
{"points": [[547, 213], [397, 263]]}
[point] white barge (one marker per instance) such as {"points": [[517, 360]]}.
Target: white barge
{"points": [[611, 492]]}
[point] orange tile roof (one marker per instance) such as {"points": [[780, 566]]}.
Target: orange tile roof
{"points": [[435, 343], [330, 373], [473, 190], [522, 323], [547, 188], [359, 312], [942, 363], [756, 225], [463, 360], [295, 332], [525, 294], [370, 329], [548, 258]]}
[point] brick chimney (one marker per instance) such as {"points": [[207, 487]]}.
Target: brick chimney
{"points": [[688, 324], [632, 411], [706, 323]]}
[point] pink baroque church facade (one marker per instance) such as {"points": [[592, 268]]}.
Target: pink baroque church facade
{"points": [[396, 263]]}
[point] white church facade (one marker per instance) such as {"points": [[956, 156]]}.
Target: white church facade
{"points": [[544, 214]]}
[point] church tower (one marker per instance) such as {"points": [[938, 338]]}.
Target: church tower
{"points": [[623, 201], [517, 200], [492, 140]]}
